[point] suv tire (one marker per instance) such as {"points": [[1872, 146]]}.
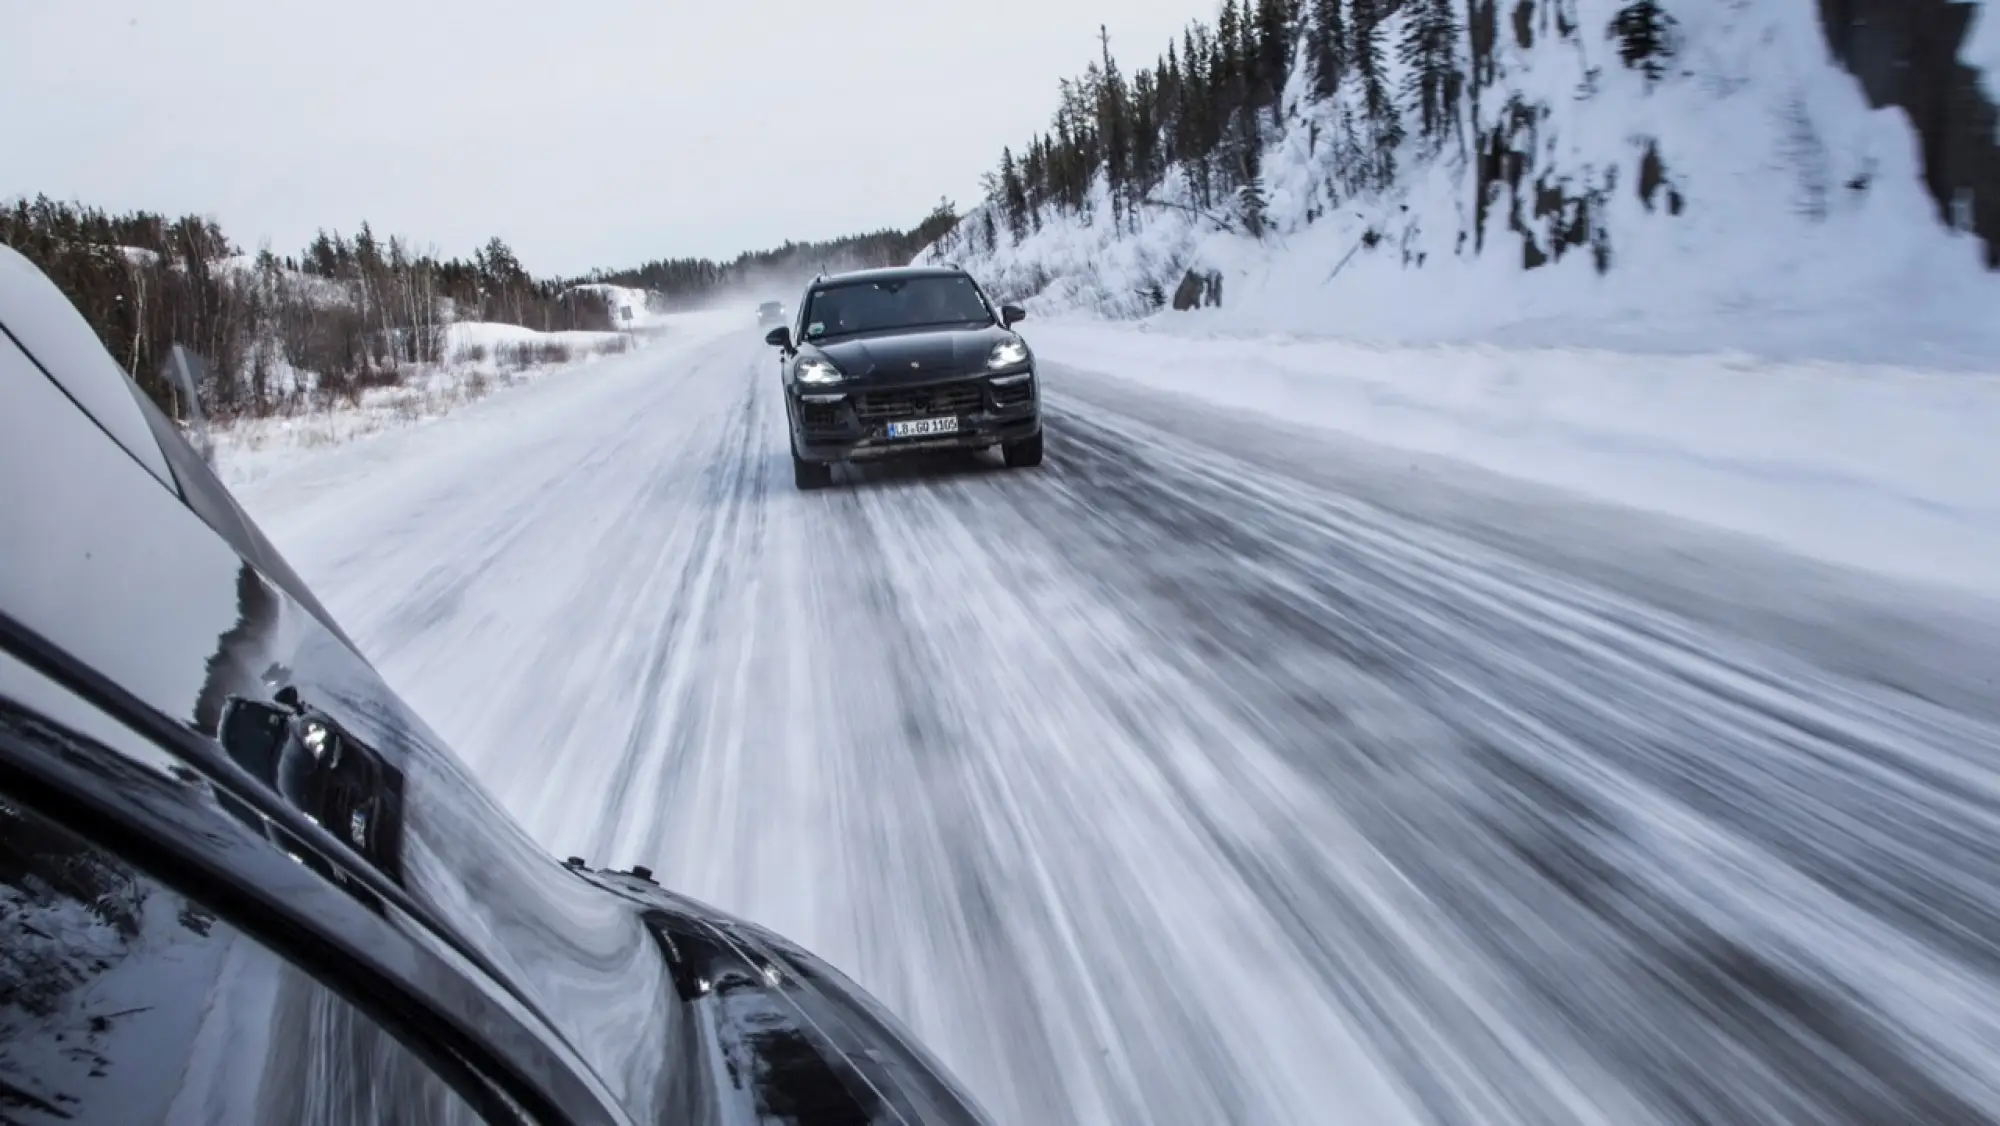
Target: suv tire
{"points": [[1024, 454], [809, 475]]}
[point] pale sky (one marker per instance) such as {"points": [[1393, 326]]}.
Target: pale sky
{"points": [[585, 134]]}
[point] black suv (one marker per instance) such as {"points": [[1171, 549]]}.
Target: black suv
{"points": [[884, 362], [241, 882], [770, 313]]}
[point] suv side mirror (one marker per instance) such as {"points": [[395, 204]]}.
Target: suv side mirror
{"points": [[1011, 313], [780, 337]]}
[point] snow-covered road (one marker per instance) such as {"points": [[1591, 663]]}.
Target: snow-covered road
{"points": [[1211, 773]]}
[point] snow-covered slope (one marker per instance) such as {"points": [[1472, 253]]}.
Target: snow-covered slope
{"points": [[1749, 197]]}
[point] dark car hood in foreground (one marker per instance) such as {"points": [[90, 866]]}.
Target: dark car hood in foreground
{"points": [[789, 1029], [913, 355]]}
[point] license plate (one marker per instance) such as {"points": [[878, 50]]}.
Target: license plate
{"points": [[920, 427]]}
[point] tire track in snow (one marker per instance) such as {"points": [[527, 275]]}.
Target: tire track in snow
{"points": [[670, 696], [1632, 774]]}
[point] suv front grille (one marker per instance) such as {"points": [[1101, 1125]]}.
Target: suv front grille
{"points": [[918, 402], [1013, 395], [820, 416]]}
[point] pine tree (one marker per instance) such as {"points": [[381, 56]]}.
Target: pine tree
{"points": [[1229, 51], [1233, 105], [1275, 23], [1384, 118], [1198, 114], [319, 259], [496, 260], [1193, 97], [1436, 76], [1326, 45], [1251, 202], [1113, 125], [1065, 155], [1645, 37], [1014, 196], [1144, 128], [1230, 72], [1167, 106], [1035, 183]]}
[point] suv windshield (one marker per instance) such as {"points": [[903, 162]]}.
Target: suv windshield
{"points": [[893, 303]]}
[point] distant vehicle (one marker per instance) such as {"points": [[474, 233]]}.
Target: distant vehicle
{"points": [[901, 360], [241, 882], [770, 313]]}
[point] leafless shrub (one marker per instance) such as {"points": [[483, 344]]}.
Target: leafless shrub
{"points": [[280, 334], [521, 355]]}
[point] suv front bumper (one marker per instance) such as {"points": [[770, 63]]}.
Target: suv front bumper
{"points": [[852, 423]]}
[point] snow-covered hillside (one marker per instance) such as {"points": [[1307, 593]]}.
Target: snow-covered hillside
{"points": [[1747, 195]]}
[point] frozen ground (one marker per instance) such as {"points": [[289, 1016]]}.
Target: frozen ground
{"points": [[1219, 770]]}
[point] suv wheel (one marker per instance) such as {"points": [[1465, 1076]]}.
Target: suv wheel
{"points": [[1024, 454], [811, 474]]}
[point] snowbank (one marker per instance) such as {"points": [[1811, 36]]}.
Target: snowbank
{"points": [[337, 451], [1887, 469], [478, 342], [482, 358]]}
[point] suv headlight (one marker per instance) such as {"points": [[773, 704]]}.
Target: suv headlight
{"points": [[1007, 354], [818, 372]]}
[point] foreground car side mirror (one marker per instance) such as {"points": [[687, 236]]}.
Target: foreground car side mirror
{"points": [[780, 337], [1011, 313]]}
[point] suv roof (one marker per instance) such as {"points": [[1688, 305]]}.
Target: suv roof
{"points": [[893, 273]]}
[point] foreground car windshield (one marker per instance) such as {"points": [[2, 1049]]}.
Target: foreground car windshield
{"points": [[900, 303]]}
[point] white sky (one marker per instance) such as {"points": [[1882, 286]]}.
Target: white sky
{"points": [[585, 134]]}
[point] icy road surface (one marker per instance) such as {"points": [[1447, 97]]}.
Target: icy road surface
{"points": [[1212, 773]]}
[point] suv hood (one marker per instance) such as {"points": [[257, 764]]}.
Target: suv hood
{"points": [[916, 355]]}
